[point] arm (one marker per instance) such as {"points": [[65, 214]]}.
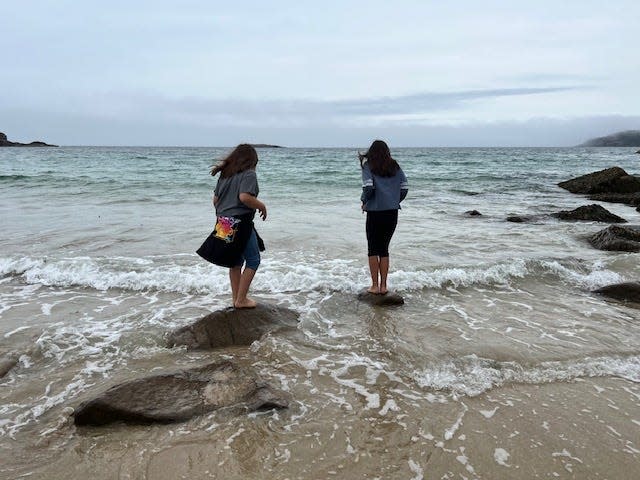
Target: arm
{"points": [[252, 202], [404, 186], [367, 184], [215, 200]]}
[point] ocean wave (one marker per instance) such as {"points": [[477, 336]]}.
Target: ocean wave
{"points": [[472, 376], [187, 274]]}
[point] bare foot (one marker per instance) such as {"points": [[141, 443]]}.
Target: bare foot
{"points": [[374, 289], [246, 303], [383, 290]]}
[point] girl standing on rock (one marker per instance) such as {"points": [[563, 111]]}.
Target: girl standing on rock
{"points": [[234, 240], [384, 186]]}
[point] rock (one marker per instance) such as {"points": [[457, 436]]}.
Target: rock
{"points": [[518, 219], [614, 237], [181, 395], [4, 142], [627, 292], [388, 299], [632, 199], [232, 326], [7, 363], [473, 213], [629, 138], [592, 212], [610, 180]]}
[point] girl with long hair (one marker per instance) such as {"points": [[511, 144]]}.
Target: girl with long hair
{"points": [[384, 186], [234, 241]]}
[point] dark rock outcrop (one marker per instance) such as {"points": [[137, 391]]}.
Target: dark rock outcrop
{"points": [[517, 219], [473, 213], [629, 138], [626, 292], [610, 180], [617, 238], [595, 213], [179, 396], [232, 326], [4, 142], [388, 299], [632, 199]]}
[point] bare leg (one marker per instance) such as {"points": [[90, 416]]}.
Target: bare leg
{"points": [[242, 301], [384, 271], [234, 278], [374, 269]]}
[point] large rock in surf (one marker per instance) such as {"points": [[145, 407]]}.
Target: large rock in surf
{"points": [[632, 199], [595, 213], [617, 238], [378, 300], [229, 327], [627, 292], [610, 180], [179, 396]]}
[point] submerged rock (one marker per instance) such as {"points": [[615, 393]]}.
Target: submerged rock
{"points": [[518, 219], [179, 396], [627, 292], [7, 362], [593, 212], [617, 238], [233, 326], [387, 299], [473, 213], [610, 180]]}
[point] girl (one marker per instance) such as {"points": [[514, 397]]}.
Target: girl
{"points": [[234, 241], [384, 186]]}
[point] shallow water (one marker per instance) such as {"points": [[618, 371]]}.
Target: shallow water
{"points": [[501, 362]]}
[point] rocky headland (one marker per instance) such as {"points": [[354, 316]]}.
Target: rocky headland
{"points": [[628, 138], [4, 142]]}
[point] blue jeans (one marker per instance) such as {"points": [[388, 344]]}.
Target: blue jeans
{"points": [[251, 253]]}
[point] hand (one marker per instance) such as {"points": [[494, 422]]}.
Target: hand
{"points": [[362, 206], [263, 211]]}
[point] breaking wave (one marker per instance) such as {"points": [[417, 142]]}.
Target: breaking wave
{"points": [[188, 274]]}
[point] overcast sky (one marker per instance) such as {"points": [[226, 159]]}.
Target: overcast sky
{"points": [[318, 73]]}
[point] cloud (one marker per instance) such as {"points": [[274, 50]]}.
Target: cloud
{"points": [[298, 112]]}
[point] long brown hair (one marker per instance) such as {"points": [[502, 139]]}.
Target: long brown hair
{"points": [[379, 159], [243, 157]]}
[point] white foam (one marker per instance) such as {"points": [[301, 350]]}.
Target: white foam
{"points": [[184, 274], [472, 376], [501, 456]]}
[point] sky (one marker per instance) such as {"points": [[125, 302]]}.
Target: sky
{"points": [[309, 73]]}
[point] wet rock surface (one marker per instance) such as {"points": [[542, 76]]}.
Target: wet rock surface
{"points": [[7, 362], [178, 396], [230, 327], [626, 292], [632, 199], [473, 213], [388, 299], [610, 180], [595, 213], [617, 238]]}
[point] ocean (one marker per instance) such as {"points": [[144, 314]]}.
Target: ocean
{"points": [[501, 364]]}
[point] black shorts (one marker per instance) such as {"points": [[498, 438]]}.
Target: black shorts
{"points": [[380, 227]]}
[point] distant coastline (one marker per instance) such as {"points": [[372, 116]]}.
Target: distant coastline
{"points": [[4, 142], [265, 145], [628, 138]]}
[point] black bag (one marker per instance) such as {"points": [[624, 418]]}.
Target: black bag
{"points": [[228, 240]]}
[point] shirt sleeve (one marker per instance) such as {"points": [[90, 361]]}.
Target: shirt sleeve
{"points": [[367, 184], [404, 183], [249, 183]]}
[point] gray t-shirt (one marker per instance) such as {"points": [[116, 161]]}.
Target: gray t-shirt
{"points": [[228, 191]]}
